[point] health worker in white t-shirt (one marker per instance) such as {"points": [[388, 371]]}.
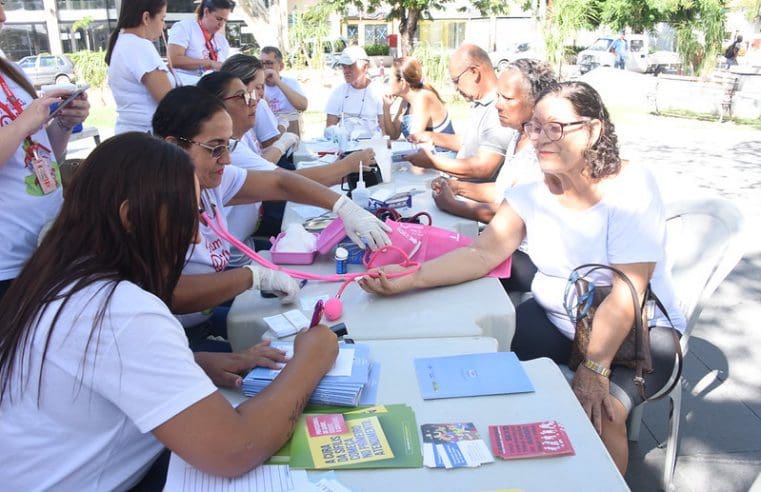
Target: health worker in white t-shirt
{"points": [[242, 220], [591, 207], [137, 75], [197, 45], [96, 377], [284, 95], [357, 104], [30, 152], [204, 128], [271, 139]]}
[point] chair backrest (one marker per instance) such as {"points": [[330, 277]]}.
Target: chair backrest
{"points": [[703, 245]]}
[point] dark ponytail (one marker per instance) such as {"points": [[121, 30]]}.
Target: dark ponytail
{"points": [[10, 71], [131, 15]]}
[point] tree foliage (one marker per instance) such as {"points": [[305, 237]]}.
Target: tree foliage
{"points": [[699, 24], [410, 12]]}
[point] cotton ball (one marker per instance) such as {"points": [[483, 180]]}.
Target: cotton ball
{"points": [[297, 240]]}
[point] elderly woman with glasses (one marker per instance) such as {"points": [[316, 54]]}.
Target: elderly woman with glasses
{"points": [[200, 123], [591, 207]]}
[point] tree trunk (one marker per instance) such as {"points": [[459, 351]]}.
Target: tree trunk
{"points": [[407, 30]]}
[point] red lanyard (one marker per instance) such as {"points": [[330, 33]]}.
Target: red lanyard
{"points": [[30, 146], [209, 42], [11, 99]]}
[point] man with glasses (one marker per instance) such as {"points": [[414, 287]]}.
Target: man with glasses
{"points": [[358, 101], [482, 144], [283, 94]]}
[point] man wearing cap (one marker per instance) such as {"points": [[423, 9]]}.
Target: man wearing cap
{"points": [[483, 142], [358, 100]]}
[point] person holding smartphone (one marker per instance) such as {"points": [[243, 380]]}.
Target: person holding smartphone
{"points": [[30, 152]]}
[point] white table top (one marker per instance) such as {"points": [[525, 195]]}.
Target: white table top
{"points": [[475, 308], [590, 469]]}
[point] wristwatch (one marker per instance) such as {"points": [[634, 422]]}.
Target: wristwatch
{"points": [[596, 367]]}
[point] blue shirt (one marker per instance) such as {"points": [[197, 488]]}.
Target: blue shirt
{"points": [[619, 45]]}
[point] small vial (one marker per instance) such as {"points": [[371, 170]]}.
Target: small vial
{"points": [[342, 259]]}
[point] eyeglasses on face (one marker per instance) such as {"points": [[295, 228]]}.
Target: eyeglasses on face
{"points": [[456, 80], [246, 97], [216, 151], [553, 130], [268, 63]]}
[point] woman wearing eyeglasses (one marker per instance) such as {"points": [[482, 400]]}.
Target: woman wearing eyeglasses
{"points": [[137, 75], [199, 122], [96, 378], [197, 45], [591, 207], [422, 109], [242, 220]]}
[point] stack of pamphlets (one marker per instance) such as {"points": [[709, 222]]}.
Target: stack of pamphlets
{"points": [[453, 445], [533, 440], [343, 385], [287, 323], [383, 436]]}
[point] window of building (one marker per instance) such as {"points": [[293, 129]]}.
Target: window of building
{"points": [[447, 34], [20, 40], [376, 33], [181, 6], [84, 4], [352, 33], [23, 5]]}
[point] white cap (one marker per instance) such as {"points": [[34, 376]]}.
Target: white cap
{"points": [[341, 253], [351, 55]]}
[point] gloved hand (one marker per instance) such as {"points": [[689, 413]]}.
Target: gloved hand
{"points": [[274, 280], [286, 141], [361, 224]]}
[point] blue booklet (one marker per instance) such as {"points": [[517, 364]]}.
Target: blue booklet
{"points": [[492, 373]]}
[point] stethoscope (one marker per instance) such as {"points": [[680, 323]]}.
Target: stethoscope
{"points": [[334, 306]]}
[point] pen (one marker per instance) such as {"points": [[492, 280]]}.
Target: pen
{"points": [[317, 313]]}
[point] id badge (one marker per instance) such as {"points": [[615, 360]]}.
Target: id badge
{"points": [[45, 174]]}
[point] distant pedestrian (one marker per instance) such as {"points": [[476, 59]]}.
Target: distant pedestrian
{"points": [[619, 48], [733, 50]]}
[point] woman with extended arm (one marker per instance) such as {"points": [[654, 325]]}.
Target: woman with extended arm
{"points": [[591, 207], [89, 348]]}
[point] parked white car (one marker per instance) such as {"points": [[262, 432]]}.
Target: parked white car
{"points": [[638, 59]]}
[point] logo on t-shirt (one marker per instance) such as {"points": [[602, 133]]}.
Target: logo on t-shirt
{"points": [[219, 254]]}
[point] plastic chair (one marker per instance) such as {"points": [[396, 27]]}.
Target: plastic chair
{"points": [[703, 245]]}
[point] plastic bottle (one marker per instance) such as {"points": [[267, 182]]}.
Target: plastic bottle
{"points": [[360, 195], [342, 259]]}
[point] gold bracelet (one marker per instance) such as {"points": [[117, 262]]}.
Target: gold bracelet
{"points": [[596, 367]]}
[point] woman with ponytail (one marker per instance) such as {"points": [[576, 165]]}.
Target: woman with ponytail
{"points": [[421, 109], [30, 150], [137, 75]]}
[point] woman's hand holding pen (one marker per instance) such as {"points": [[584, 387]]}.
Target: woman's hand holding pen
{"points": [[317, 347]]}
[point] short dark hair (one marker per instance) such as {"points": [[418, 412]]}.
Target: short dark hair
{"points": [[272, 50], [602, 157], [182, 112]]}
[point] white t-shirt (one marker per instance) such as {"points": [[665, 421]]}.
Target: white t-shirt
{"points": [[277, 100], [242, 220], [132, 58], [213, 253], [627, 226], [23, 207], [265, 126], [519, 167], [187, 33], [249, 140], [355, 105], [100, 396]]}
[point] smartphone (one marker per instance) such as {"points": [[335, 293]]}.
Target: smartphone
{"points": [[67, 101]]}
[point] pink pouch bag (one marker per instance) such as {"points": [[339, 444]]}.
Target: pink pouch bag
{"points": [[424, 242]]}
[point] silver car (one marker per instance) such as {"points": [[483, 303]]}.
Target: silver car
{"points": [[48, 69]]}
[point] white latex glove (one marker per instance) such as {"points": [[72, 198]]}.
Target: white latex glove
{"points": [[274, 280], [286, 141], [361, 224]]}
